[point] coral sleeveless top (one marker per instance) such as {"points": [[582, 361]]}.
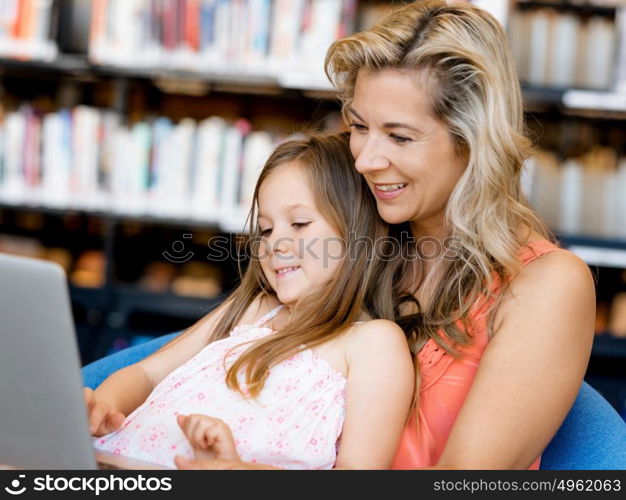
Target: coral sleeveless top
{"points": [[445, 382]]}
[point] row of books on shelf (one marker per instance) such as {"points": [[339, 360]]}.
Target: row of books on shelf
{"points": [[583, 195], [27, 29], [90, 159], [283, 39], [563, 49]]}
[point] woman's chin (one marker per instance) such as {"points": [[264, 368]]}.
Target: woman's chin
{"points": [[392, 216]]}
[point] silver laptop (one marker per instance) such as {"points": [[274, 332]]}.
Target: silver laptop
{"points": [[43, 420]]}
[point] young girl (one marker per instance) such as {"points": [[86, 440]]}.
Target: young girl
{"points": [[291, 363]]}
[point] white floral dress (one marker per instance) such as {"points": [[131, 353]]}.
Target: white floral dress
{"points": [[295, 422]]}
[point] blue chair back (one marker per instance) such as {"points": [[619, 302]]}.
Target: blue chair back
{"points": [[95, 373], [592, 437]]}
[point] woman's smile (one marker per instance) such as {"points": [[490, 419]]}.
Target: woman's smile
{"points": [[388, 191], [407, 155]]}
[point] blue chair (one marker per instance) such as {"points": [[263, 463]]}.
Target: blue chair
{"points": [[95, 372], [592, 437]]}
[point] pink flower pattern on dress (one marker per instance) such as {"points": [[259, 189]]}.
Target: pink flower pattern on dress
{"points": [[295, 423]]}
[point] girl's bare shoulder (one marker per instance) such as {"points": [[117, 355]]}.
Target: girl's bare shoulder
{"points": [[377, 334]]}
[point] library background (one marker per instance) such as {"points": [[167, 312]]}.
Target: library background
{"points": [[132, 131]]}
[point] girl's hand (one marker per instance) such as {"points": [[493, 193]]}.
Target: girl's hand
{"points": [[103, 418], [211, 439]]}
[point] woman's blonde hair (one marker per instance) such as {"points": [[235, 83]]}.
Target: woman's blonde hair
{"points": [[460, 53], [343, 198]]}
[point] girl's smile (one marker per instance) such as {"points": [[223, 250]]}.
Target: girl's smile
{"points": [[300, 249]]}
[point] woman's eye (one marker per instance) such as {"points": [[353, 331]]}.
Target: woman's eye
{"points": [[358, 127], [400, 139], [299, 225], [266, 232]]}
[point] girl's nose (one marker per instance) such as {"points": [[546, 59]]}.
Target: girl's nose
{"points": [[281, 245]]}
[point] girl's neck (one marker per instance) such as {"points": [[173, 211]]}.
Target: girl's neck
{"points": [[284, 315], [281, 319]]}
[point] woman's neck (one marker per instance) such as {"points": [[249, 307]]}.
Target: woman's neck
{"points": [[430, 240], [428, 230]]}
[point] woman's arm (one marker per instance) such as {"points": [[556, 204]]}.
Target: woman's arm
{"points": [[531, 370], [379, 392]]}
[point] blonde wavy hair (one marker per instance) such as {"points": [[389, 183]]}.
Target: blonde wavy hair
{"points": [[462, 54]]}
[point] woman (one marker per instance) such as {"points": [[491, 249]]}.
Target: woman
{"points": [[499, 319], [503, 332]]}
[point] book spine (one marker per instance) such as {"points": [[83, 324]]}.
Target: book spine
{"points": [[620, 69], [192, 25]]}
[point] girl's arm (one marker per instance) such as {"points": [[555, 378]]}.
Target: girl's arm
{"points": [[127, 388], [531, 370], [379, 392], [123, 391]]}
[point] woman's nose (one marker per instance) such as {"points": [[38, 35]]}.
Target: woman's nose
{"points": [[370, 157]]}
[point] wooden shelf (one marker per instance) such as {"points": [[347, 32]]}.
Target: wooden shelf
{"points": [[582, 9], [571, 102], [602, 252], [79, 66], [226, 223], [609, 346]]}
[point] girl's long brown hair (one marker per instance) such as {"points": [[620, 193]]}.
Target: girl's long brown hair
{"points": [[362, 282]]}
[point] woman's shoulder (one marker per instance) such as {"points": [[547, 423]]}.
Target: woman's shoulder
{"points": [[544, 261], [549, 275], [536, 246], [538, 255]]}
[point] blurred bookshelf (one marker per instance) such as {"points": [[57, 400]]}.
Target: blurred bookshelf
{"points": [[571, 59], [128, 125]]}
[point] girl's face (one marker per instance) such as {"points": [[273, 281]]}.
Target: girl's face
{"points": [[406, 155], [300, 249]]}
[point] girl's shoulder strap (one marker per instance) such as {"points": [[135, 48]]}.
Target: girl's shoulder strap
{"points": [[269, 315]]}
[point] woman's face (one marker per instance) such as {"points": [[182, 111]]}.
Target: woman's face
{"points": [[406, 155], [300, 249]]}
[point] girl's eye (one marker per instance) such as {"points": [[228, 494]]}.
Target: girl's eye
{"points": [[266, 232], [359, 127], [400, 139], [299, 225]]}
